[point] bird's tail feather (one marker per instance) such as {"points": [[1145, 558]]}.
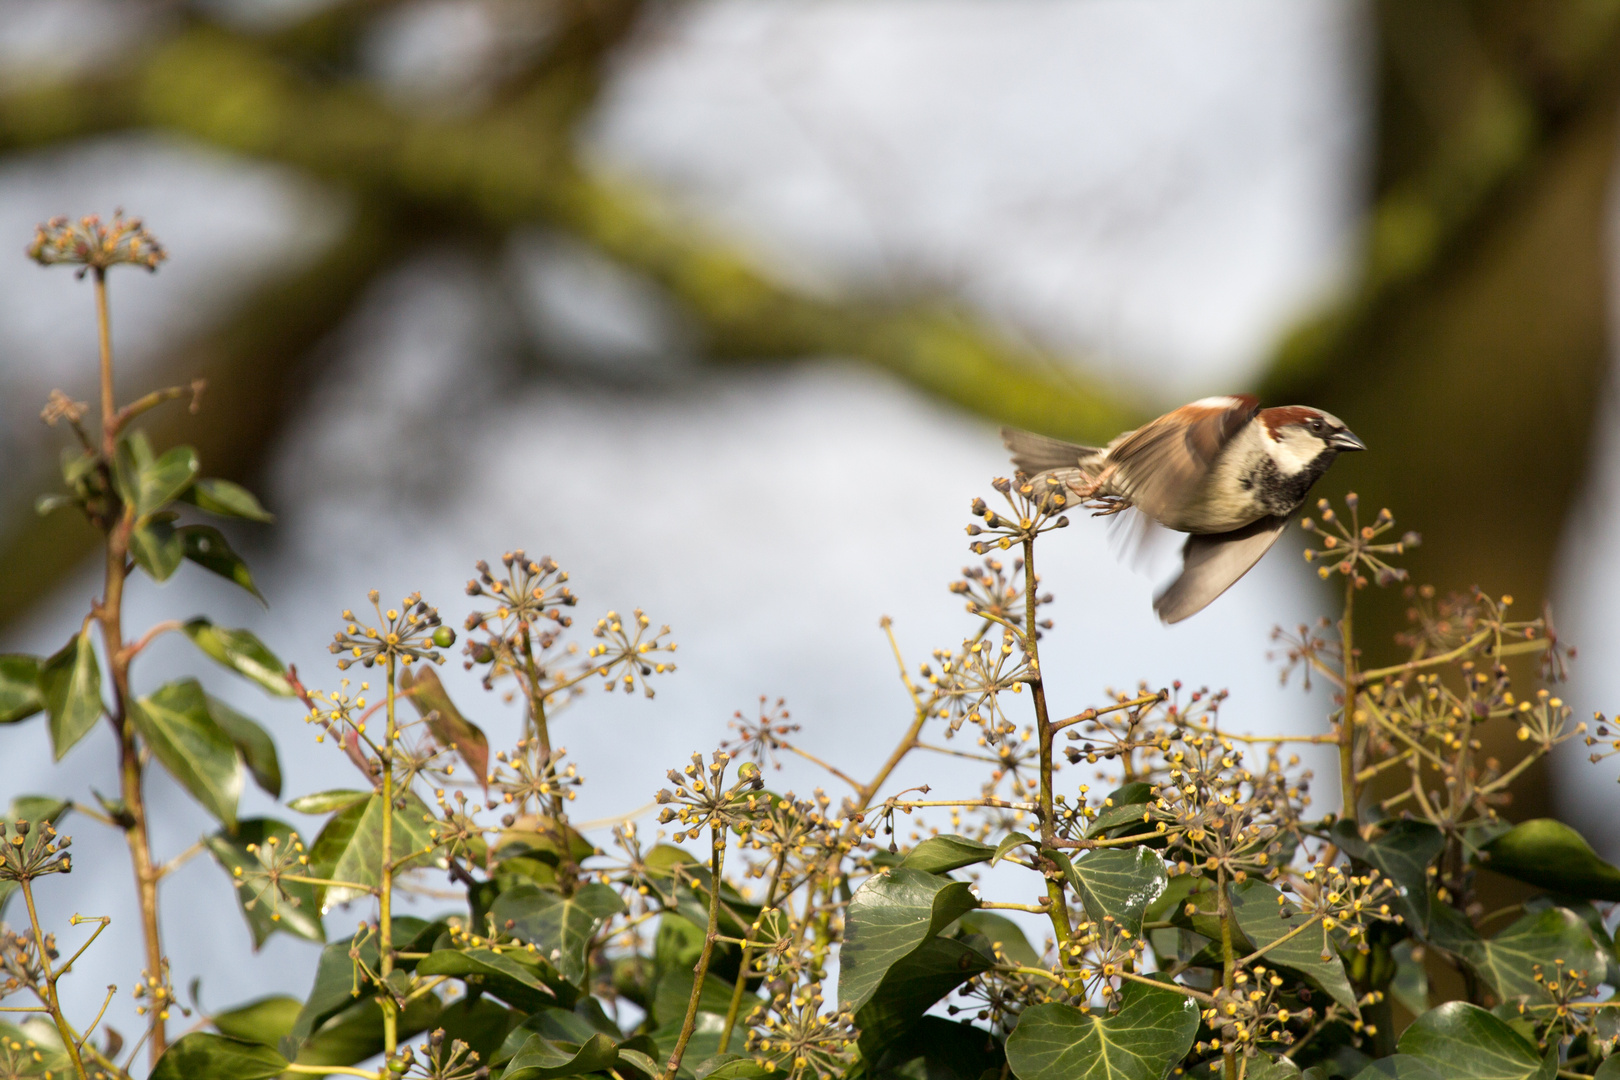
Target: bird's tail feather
{"points": [[1034, 454]]}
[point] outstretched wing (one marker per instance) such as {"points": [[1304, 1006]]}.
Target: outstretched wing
{"points": [[1157, 464], [1211, 563]]}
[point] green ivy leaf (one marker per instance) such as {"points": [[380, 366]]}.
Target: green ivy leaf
{"points": [[449, 727], [942, 854], [891, 915], [333, 990], [910, 987], [542, 1059], [511, 975], [265, 1020], [242, 652], [480, 1022], [1508, 961], [1117, 882], [674, 994], [1151, 1032], [148, 483], [207, 547], [201, 1056], [326, 802], [561, 927], [157, 546], [176, 724], [252, 742], [293, 907], [1550, 854], [20, 696], [1124, 811], [1260, 917], [1464, 1042], [1001, 932], [1399, 1067], [70, 683], [349, 848], [1010, 842], [1403, 853], [1609, 1070], [225, 499]]}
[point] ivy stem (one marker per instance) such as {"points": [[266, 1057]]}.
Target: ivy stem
{"points": [[568, 870], [69, 1039], [385, 893], [1347, 723], [1228, 957], [109, 613], [717, 859], [747, 953], [1059, 909]]}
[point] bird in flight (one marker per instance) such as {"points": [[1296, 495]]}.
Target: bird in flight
{"points": [[1223, 470]]}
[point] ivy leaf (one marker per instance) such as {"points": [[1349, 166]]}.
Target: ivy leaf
{"points": [[348, 1038], [176, 724], [890, 916], [242, 652], [292, 908], [349, 848], [1402, 853], [1010, 842], [157, 546], [561, 927], [252, 742], [941, 854], [70, 683], [334, 987], [1124, 811], [1260, 917], [1117, 882], [202, 1056], [1548, 853], [542, 1059], [948, 1051], [1464, 1042], [1508, 961], [1000, 932], [1399, 1067], [1152, 1031], [325, 802], [20, 696], [910, 986], [510, 975], [148, 483], [449, 727], [674, 994], [1609, 1070], [207, 547], [225, 499]]}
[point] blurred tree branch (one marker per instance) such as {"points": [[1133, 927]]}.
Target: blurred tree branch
{"points": [[511, 165]]}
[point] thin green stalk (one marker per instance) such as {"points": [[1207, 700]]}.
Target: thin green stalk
{"points": [[52, 1003], [1228, 958], [109, 612], [385, 896], [1347, 724], [747, 953], [568, 870], [717, 858], [1059, 910]]}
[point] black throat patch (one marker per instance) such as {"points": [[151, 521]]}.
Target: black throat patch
{"points": [[1282, 494]]}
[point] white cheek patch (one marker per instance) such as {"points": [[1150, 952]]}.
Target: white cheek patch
{"points": [[1295, 450]]}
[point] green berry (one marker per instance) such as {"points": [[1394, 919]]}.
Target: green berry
{"points": [[444, 637]]}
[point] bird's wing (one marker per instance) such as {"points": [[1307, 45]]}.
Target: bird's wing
{"points": [[1212, 563], [1034, 454], [1158, 464]]}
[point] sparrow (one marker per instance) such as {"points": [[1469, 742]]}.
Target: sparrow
{"points": [[1223, 470]]}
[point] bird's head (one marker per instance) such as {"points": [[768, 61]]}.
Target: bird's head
{"points": [[1301, 438]]}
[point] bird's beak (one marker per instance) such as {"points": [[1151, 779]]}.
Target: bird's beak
{"points": [[1345, 440]]}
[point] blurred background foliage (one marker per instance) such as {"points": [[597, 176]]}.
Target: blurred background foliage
{"points": [[1470, 347]]}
